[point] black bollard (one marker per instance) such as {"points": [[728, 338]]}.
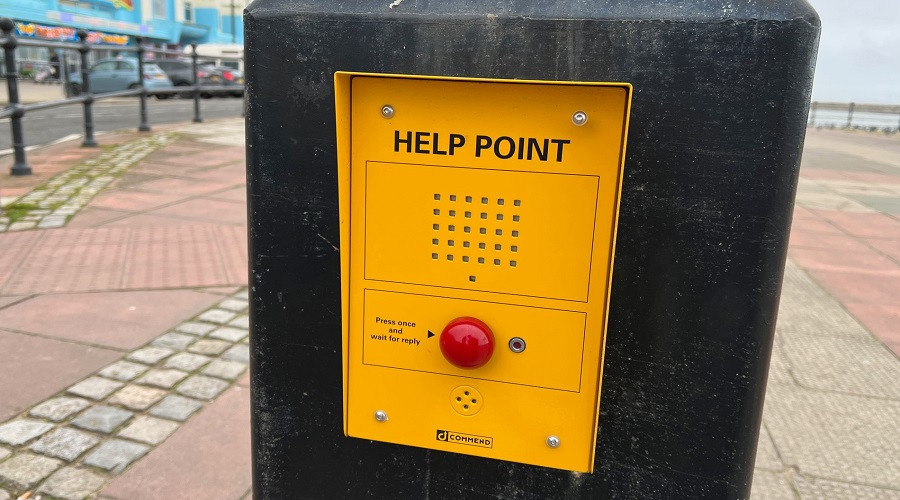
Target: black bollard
{"points": [[719, 109]]}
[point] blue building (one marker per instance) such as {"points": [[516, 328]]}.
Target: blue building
{"points": [[111, 23]]}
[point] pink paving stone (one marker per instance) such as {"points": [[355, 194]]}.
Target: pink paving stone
{"points": [[889, 247], [183, 186], [238, 194], [69, 259], [814, 226], [35, 368], [872, 225], [210, 158], [234, 175], [837, 242], [222, 290], [5, 301], [134, 201], [208, 458], [849, 287], [144, 220], [804, 213], [123, 320], [91, 217], [881, 319], [862, 261], [872, 177], [208, 210], [823, 173], [184, 256]]}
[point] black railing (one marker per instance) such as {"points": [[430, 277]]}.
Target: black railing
{"points": [[16, 111]]}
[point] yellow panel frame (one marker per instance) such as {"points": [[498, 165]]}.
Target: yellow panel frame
{"points": [[566, 285]]}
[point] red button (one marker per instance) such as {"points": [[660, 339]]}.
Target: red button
{"points": [[467, 342]]}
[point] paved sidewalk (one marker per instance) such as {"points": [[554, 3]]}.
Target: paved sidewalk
{"points": [[123, 333], [33, 92]]}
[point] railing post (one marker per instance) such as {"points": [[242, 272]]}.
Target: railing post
{"points": [[850, 115], [197, 118], [64, 70], [143, 127], [20, 165], [812, 114], [89, 141]]}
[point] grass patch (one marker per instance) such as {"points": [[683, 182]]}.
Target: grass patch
{"points": [[15, 211]]}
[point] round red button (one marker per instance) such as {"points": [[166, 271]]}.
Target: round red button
{"points": [[467, 342]]}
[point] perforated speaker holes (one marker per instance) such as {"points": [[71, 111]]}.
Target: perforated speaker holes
{"points": [[495, 243]]}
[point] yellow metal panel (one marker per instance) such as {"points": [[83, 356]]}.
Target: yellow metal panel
{"points": [[489, 199], [519, 233]]}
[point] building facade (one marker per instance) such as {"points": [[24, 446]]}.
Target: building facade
{"points": [[112, 23]]}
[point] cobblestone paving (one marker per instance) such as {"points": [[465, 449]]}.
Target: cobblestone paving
{"points": [[72, 444], [53, 203]]}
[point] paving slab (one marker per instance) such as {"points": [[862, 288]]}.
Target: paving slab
{"points": [[186, 361], [123, 370], [165, 378], [58, 362], [95, 388], [59, 409], [228, 370], [71, 483], [150, 430], [176, 407], [135, 397], [122, 320], [115, 455], [195, 328], [102, 418], [202, 387], [25, 470], [151, 355], [18, 432], [207, 458], [65, 443]]}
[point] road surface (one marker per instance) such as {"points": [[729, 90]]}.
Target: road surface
{"points": [[45, 126]]}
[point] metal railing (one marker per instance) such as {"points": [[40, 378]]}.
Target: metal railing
{"points": [[16, 111], [857, 116]]}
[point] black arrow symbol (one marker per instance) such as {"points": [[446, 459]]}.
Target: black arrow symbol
{"points": [[430, 334]]}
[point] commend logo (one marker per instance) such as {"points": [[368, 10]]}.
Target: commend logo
{"points": [[466, 439]]}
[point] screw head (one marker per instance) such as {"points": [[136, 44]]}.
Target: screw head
{"points": [[579, 118], [553, 442], [387, 111], [381, 416]]}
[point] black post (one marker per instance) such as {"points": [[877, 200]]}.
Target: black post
{"points": [[64, 70], [197, 117], [850, 115], [89, 141], [707, 195], [143, 127], [20, 165]]}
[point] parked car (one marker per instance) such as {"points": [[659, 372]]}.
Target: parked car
{"points": [[110, 75], [230, 77], [181, 73]]}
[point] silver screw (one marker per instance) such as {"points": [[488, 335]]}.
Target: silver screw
{"points": [[387, 111], [579, 118], [553, 442], [381, 416], [517, 344]]}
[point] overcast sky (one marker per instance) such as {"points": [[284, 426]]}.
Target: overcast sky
{"points": [[859, 54]]}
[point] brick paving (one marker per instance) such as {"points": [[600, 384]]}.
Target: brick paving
{"points": [[144, 389]]}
